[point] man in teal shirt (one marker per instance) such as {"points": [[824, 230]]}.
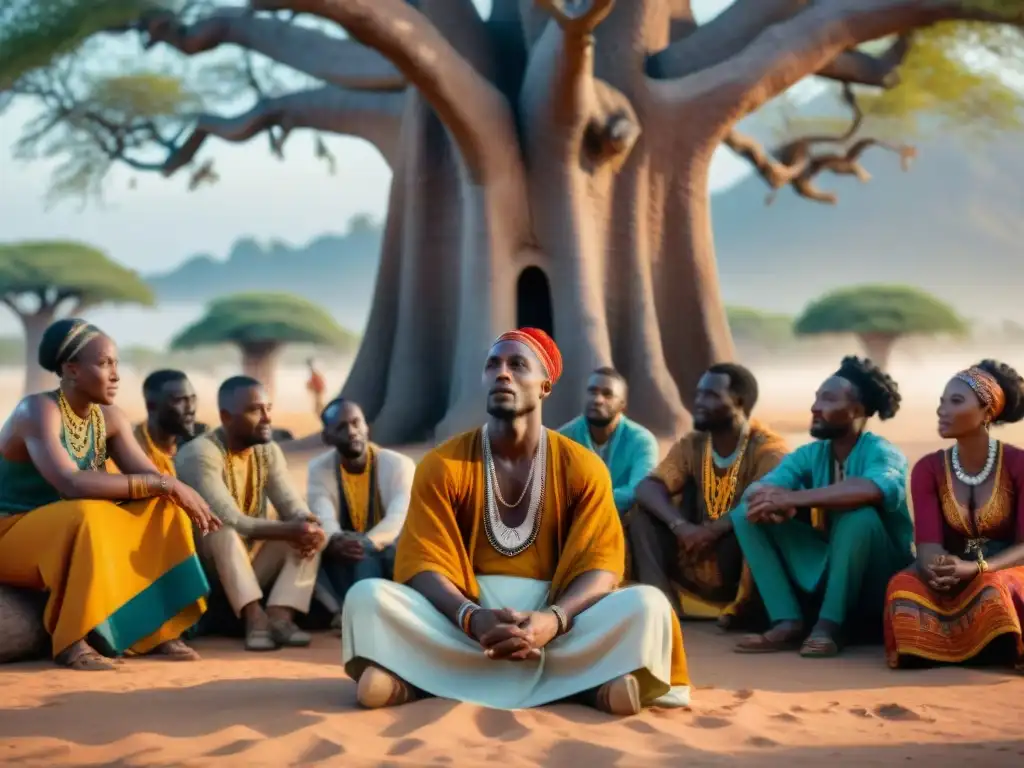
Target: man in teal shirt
{"points": [[629, 450], [860, 532]]}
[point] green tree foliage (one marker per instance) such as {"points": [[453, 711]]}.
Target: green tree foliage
{"points": [[879, 315], [42, 281], [260, 325]]}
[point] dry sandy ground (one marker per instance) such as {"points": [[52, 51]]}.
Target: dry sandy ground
{"points": [[296, 707]]}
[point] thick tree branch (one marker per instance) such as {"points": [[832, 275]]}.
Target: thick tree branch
{"points": [[806, 43], [344, 63], [371, 116], [721, 38], [864, 69], [795, 164], [562, 94], [471, 108]]}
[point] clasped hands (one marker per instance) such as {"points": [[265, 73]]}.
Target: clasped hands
{"points": [[945, 572], [512, 635], [770, 504]]}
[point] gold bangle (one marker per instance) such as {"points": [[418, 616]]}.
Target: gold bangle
{"points": [[982, 565], [562, 618], [136, 487]]}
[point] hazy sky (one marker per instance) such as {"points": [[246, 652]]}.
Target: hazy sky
{"points": [[159, 223]]}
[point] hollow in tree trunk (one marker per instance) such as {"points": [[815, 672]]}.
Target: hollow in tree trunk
{"points": [[259, 360], [878, 347], [551, 168]]}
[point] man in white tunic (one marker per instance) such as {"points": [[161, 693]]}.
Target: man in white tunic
{"points": [[507, 569], [360, 494]]}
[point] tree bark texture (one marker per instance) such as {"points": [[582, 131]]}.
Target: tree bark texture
{"points": [[573, 137], [259, 360], [878, 347], [35, 324]]}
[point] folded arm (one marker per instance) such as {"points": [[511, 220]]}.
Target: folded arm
{"points": [[39, 425]]}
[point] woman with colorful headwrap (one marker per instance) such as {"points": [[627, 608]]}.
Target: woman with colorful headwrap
{"points": [[114, 552], [965, 595]]}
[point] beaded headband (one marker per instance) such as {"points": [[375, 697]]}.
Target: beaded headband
{"points": [[81, 333], [985, 386]]}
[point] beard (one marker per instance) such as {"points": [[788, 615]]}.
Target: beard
{"points": [[825, 431], [173, 424], [601, 421], [348, 451], [508, 411], [713, 423]]}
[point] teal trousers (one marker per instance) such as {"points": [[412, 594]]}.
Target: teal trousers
{"points": [[855, 561]]}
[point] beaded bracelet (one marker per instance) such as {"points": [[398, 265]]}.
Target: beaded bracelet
{"points": [[465, 615], [562, 617]]}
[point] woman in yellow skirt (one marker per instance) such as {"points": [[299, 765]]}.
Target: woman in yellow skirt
{"points": [[115, 552]]}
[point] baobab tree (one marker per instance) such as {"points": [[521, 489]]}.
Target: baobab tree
{"points": [[550, 165], [879, 316]]}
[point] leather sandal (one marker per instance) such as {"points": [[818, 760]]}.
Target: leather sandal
{"points": [[260, 640], [83, 659], [175, 650]]}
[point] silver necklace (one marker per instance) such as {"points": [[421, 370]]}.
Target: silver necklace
{"points": [[506, 540], [981, 477]]}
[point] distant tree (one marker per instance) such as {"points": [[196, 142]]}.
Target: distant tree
{"points": [[43, 281], [261, 325], [769, 329], [879, 315]]}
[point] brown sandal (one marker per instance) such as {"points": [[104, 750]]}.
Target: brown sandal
{"points": [[175, 650], [820, 646], [780, 642], [83, 658]]}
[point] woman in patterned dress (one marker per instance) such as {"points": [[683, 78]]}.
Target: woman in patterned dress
{"points": [[965, 595]]}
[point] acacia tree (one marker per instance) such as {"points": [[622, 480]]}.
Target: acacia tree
{"points": [[44, 281], [261, 325], [879, 316], [573, 136]]}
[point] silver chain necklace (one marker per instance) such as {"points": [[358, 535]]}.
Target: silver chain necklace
{"points": [[981, 477], [505, 539]]}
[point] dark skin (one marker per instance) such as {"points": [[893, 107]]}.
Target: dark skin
{"points": [[516, 385], [245, 418], [721, 414], [837, 415], [32, 434], [605, 403], [964, 418], [171, 414], [346, 430]]}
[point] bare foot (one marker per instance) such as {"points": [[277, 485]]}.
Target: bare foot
{"points": [[83, 657], [175, 650], [378, 688], [619, 697]]}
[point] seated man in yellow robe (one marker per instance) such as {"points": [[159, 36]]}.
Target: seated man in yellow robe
{"points": [[680, 535], [240, 472], [506, 574], [170, 417]]}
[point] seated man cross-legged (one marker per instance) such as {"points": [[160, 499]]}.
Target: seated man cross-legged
{"points": [[359, 493], [240, 471], [507, 569], [860, 532]]}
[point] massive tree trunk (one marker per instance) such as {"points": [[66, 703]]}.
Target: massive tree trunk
{"points": [[259, 360], [35, 323], [551, 168], [878, 347]]}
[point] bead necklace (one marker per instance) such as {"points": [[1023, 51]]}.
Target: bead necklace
{"points": [[719, 492], [975, 480], [506, 540], [257, 479], [81, 434]]}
